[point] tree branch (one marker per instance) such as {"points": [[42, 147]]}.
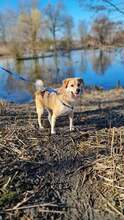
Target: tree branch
{"points": [[114, 6]]}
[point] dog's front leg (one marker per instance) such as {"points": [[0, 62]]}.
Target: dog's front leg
{"points": [[39, 113], [71, 115], [49, 116], [53, 121]]}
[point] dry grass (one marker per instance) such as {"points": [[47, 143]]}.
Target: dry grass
{"points": [[77, 175], [3, 105]]}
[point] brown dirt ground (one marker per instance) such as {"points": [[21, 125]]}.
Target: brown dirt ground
{"points": [[77, 175]]}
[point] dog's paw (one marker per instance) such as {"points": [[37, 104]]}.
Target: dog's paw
{"points": [[53, 132], [41, 128], [72, 129]]}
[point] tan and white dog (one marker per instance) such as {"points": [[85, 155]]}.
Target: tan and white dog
{"points": [[58, 102]]}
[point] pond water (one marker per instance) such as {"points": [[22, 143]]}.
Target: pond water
{"points": [[102, 68]]}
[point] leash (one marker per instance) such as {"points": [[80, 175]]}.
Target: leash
{"points": [[16, 75]]}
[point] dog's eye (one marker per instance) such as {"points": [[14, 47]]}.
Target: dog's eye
{"points": [[72, 85], [78, 84]]}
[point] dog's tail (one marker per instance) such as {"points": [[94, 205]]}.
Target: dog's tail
{"points": [[39, 85]]}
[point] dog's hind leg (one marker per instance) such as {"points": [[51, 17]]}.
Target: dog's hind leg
{"points": [[40, 110], [49, 116], [39, 114]]}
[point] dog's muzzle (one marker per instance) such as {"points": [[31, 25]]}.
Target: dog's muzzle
{"points": [[77, 91]]}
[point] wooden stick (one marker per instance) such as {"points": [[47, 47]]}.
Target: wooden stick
{"points": [[35, 206]]}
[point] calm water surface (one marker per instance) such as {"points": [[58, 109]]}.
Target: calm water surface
{"points": [[97, 67]]}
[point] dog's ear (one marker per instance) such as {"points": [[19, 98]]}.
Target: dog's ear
{"points": [[82, 84], [65, 83], [81, 81]]}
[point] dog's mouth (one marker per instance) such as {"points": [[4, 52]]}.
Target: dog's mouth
{"points": [[75, 94]]}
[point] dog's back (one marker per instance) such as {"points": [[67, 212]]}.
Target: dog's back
{"points": [[44, 96]]}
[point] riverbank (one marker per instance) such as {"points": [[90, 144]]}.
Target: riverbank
{"points": [[5, 52], [77, 175]]}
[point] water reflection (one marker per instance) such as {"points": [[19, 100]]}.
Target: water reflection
{"points": [[19, 66], [69, 65], [101, 61], [13, 90], [96, 67], [83, 63], [37, 70]]}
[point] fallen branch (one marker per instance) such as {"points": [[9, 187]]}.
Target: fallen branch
{"points": [[36, 206]]}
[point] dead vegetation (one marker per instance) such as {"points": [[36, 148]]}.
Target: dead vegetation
{"points": [[77, 175]]}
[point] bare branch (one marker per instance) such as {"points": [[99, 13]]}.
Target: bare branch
{"points": [[114, 6]]}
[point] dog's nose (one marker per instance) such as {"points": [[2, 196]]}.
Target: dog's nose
{"points": [[77, 90]]}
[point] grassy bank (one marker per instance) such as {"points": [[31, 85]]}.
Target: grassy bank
{"points": [[77, 175], [5, 51]]}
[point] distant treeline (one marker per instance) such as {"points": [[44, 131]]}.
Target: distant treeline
{"points": [[32, 31]]}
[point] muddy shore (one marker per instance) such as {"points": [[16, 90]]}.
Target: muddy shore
{"points": [[77, 175]]}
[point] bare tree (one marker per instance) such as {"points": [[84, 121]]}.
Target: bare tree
{"points": [[103, 5], [102, 28], [21, 29], [82, 31], [6, 22], [54, 20], [29, 26], [12, 37], [2, 29], [68, 31]]}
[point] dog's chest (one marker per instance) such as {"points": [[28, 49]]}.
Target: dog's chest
{"points": [[64, 110]]}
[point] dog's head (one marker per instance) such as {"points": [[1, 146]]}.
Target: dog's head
{"points": [[73, 86]]}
